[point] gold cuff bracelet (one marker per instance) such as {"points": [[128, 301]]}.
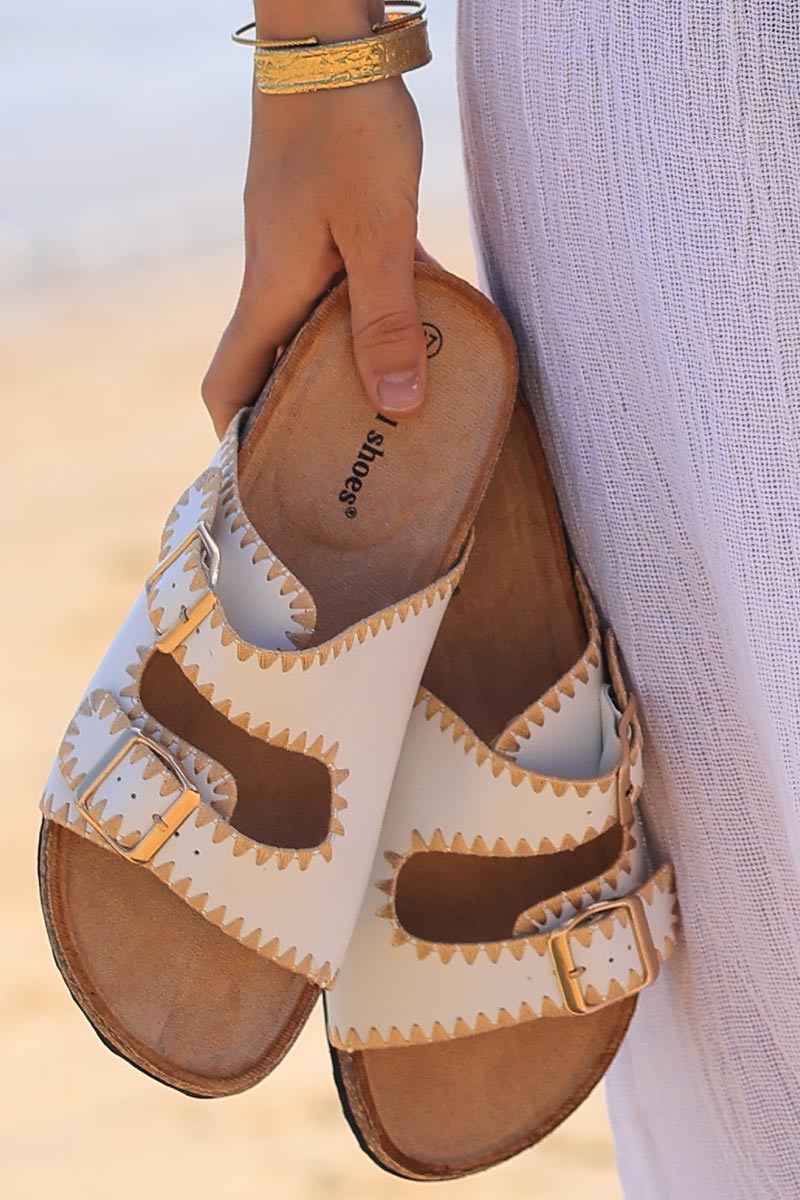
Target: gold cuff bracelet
{"points": [[398, 44]]}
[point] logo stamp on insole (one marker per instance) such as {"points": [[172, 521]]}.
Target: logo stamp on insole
{"points": [[433, 338]]}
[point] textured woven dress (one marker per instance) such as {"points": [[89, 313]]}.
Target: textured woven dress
{"points": [[634, 175]]}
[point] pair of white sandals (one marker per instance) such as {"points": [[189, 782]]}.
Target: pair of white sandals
{"points": [[326, 753]]}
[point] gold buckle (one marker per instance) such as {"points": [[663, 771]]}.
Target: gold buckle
{"points": [[190, 618], [164, 824], [569, 974]]}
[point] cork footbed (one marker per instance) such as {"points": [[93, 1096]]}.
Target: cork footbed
{"points": [[168, 991], [452, 1107]]}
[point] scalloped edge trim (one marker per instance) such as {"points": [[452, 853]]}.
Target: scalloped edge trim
{"points": [[210, 483], [303, 607], [520, 943], [207, 485], [439, 591], [482, 752], [590, 892], [101, 703], [518, 730], [623, 695]]}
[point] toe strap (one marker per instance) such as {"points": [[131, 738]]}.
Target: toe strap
{"points": [[605, 953], [163, 805]]}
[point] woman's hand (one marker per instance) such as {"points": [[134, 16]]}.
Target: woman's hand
{"points": [[332, 186]]}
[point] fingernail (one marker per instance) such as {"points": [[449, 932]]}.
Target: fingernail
{"points": [[401, 392]]}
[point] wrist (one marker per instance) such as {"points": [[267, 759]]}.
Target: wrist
{"points": [[336, 20]]}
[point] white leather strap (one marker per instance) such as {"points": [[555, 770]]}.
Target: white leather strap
{"points": [[129, 794], [559, 734], [463, 796], [571, 769], [614, 952]]}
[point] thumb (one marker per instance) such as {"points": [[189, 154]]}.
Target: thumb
{"points": [[388, 339]]}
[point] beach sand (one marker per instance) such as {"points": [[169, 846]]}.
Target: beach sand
{"points": [[96, 387]]}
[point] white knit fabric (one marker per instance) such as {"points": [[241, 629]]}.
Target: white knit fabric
{"points": [[634, 173]]}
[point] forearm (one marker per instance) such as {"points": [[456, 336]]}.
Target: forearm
{"points": [[332, 186], [330, 20]]}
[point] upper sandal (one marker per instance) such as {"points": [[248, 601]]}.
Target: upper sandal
{"points": [[512, 916], [212, 815]]}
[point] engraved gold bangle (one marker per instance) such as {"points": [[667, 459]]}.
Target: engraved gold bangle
{"points": [[397, 44]]}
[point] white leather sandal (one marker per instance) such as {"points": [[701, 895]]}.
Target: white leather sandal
{"points": [[512, 917], [211, 819]]}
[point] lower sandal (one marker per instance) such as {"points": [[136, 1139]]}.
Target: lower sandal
{"points": [[213, 812], [511, 918]]}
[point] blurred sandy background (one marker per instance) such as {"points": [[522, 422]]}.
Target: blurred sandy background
{"points": [[119, 262]]}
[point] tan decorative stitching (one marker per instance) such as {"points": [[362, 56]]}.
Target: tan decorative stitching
{"points": [[351, 1040], [102, 705], [586, 893], [303, 609], [219, 485], [500, 848], [342, 643], [519, 730], [591, 891], [322, 974], [359, 633], [499, 764], [621, 693], [540, 914], [207, 486], [297, 743]]}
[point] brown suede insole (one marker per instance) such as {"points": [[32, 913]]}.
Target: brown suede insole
{"points": [[168, 990], [450, 1108]]}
